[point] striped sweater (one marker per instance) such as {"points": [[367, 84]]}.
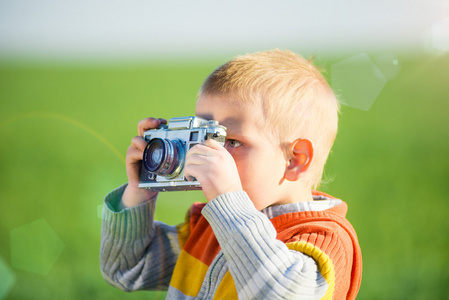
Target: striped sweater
{"points": [[227, 249]]}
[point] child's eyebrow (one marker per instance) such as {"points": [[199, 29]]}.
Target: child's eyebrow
{"points": [[233, 127], [205, 116], [230, 123]]}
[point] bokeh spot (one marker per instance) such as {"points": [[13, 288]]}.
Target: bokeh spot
{"points": [[100, 209], [440, 35], [35, 247], [357, 81], [388, 64], [7, 279]]}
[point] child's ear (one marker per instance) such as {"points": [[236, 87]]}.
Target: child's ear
{"points": [[301, 155]]}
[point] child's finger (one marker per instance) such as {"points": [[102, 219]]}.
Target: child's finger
{"points": [[212, 144], [200, 149], [149, 123], [196, 159], [138, 142], [133, 155], [191, 172]]}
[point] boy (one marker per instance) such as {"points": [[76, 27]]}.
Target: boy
{"points": [[264, 233]]}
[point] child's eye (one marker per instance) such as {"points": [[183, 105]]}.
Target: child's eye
{"points": [[233, 143]]}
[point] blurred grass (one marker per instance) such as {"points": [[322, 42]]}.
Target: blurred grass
{"points": [[64, 131]]}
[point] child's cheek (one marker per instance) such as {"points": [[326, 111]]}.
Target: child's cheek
{"points": [[236, 155], [239, 155], [233, 151]]}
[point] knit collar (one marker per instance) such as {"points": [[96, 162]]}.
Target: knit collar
{"points": [[319, 203]]}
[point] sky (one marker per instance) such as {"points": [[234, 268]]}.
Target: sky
{"points": [[116, 29]]}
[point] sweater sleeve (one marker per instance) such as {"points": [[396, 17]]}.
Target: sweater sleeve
{"points": [[136, 252], [262, 266]]}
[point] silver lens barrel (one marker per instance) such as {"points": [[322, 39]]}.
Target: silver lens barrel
{"points": [[164, 157]]}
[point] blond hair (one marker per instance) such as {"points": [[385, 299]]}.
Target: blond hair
{"points": [[295, 98]]}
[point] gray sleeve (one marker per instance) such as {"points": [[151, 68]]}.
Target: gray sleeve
{"points": [[262, 266], [136, 252]]}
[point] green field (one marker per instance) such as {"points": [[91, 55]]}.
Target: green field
{"points": [[64, 131]]}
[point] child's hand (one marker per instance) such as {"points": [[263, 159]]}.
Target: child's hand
{"points": [[133, 195], [213, 166]]}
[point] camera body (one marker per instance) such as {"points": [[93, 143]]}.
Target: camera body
{"points": [[164, 156]]}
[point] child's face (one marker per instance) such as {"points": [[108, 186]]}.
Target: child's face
{"points": [[260, 163]]}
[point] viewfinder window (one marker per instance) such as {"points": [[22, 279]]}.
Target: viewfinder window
{"points": [[194, 136]]}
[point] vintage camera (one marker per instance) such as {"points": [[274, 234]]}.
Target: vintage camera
{"points": [[164, 156]]}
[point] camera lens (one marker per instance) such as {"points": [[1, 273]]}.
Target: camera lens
{"points": [[164, 157], [156, 156]]}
